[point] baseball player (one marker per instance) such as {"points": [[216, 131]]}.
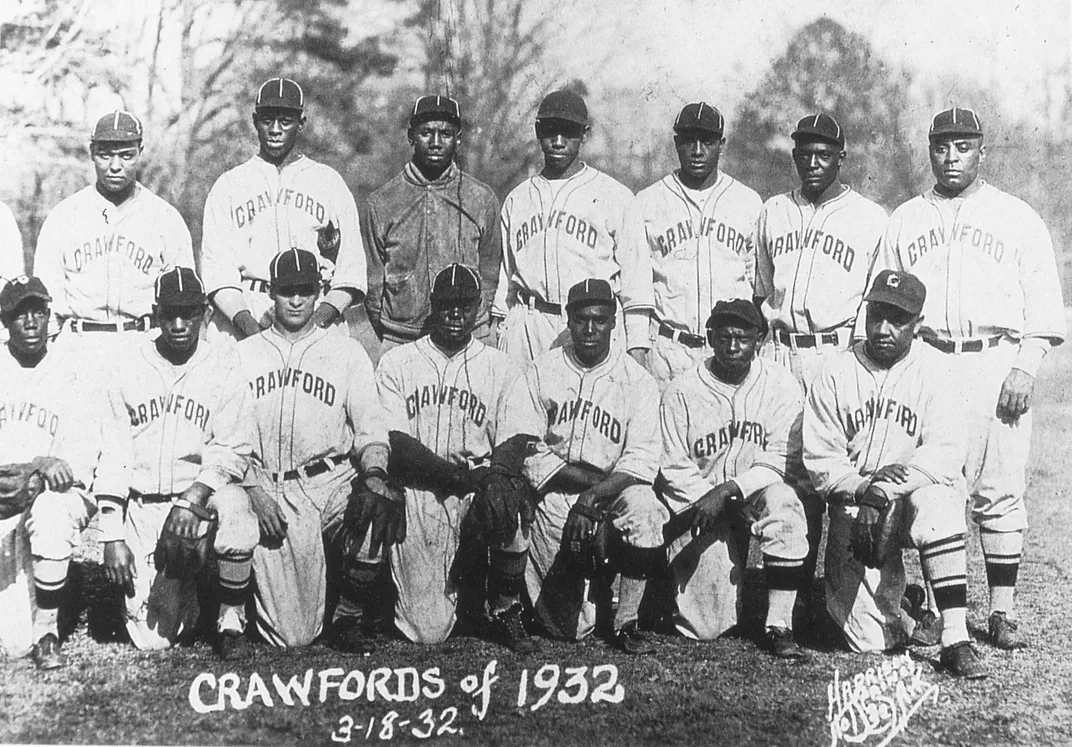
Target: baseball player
{"points": [[994, 309], [48, 421], [426, 217], [559, 227], [594, 411], [731, 452], [277, 200], [694, 228], [319, 428], [442, 391], [814, 248], [11, 258], [884, 442], [177, 444]]}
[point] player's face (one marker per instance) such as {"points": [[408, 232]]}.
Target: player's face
{"points": [[560, 142], [453, 321], [434, 144], [116, 165], [590, 329], [698, 152], [27, 327], [890, 330], [277, 130], [733, 347], [955, 162], [180, 326], [818, 166], [294, 306]]}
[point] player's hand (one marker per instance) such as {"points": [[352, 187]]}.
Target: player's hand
{"points": [[640, 355], [1015, 397], [325, 315], [119, 566], [895, 473], [245, 325], [182, 523], [707, 510], [56, 472], [863, 530], [580, 524], [270, 517]]}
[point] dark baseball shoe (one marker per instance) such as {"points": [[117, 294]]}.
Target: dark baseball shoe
{"points": [[47, 654], [347, 634], [1003, 633], [928, 630], [232, 645], [630, 640], [781, 644], [962, 660], [508, 629]]}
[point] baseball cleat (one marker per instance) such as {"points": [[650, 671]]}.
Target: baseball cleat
{"points": [[232, 645], [508, 629], [47, 654], [928, 630], [630, 640], [348, 636], [962, 660], [781, 644], [1002, 633]]}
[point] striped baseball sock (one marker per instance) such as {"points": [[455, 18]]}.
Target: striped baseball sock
{"points": [[784, 579], [944, 565], [233, 585], [361, 590], [1002, 552], [50, 579], [506, 578]]}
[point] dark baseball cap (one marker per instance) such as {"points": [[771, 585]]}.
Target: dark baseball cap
{"points": [[179, 286], [19, 289], [280, 93], [564, 105], [589, 292], [456, 282], [956, 121], [118, 127], [820, 127], [700, 116], [901, 289], [738, 310], [439, 108], [294, 267]]}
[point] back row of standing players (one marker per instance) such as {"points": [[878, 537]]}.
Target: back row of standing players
{"points": [[993, 306]]}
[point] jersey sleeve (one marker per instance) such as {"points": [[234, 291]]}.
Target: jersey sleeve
{"points": [[117, 458], [219, 266], [390, 388], [685, 484], [11, 256], [826, 444], [774, 463], [367, 418], [502, 289], [230, 444], [638, 292], [1044, 312], [178, 246], [48, 263], [764, 285], [523, 413], [643, 443], [350, 271]]}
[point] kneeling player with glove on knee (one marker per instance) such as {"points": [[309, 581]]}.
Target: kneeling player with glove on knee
{"points": [[178, 442], [884, 444]]}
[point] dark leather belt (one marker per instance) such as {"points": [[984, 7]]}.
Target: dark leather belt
{"points": [[312, 469], [805, 341], [533, 302], [687, 339], [141, 324], [153, 497], [963, 346]]}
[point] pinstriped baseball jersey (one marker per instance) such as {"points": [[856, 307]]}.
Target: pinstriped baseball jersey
{"points": [[11, 259], [99, 261], [699, 243], [713, 432], [812, 260]]}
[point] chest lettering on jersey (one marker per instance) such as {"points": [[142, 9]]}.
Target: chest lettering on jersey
{"points": [[560, 222], [451, 396], [883, 409], [669, 239], [244, 212], [586, 410], [111, 244], [146, 412], [737, 430], [31, 414], [983, 241], [315, 386], [830, 245]]}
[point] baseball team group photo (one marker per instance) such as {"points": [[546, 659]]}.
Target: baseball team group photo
{"points": [[546, 459]]}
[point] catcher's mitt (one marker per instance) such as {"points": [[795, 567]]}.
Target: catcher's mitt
{"points": [[413, 464], [368, 512], [590, 555], [873, 541], [179, 555], [19, 485], [328, 239], [503, 496]]}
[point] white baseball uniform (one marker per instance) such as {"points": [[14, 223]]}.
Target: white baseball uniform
{"points": [[699, 245], [12, 262], [604, 417], [316, 407], [449, 404], [811, 270], [988, 264], [556, 233], [257, 210]]}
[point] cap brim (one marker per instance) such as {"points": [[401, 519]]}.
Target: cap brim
{"points": [[713, 319], [884, 296], [182, 299], [562, 118], [951, 130]]}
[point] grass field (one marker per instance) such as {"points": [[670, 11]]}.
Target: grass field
{"points": [[721, 692]]}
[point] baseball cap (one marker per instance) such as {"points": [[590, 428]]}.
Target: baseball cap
{"points": [[956, 121], [820, 127], [589, 292], [118, 127], [179, 286], [19, 289], [280, 93], [428, 108], [700, 116], [565, 105], [740, 310], [294, 267], [900, 289], [456, 282]]}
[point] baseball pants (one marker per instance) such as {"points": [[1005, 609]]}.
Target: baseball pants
{"points": [[526, 334], [668, 359], [805, 363]]}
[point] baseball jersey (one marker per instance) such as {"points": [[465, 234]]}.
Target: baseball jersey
{"points": [[699, 245], [860, 417], [314, 397], [12, 263], [448, 403], [99, 261], [812, 260], [713, 432], [604, 417], [170, 426]]}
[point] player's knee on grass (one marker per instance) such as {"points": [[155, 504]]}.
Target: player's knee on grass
{"points": [[782, 527], [936, 512], [238, 530], [55, 522], [639, 517]]}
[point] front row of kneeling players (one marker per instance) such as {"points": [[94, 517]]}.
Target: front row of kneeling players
{"points": [[474, 482]]}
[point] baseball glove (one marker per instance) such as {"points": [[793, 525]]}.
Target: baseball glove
{"points": [[591, 554], [186, 541], [381, 517], [19, 485], [415, 465], [327, 241], [504, 498], [877, 530]]}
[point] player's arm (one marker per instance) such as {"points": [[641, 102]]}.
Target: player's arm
{"points": [[826, 445], [178, 246], [764, 263], [112, 488], [350, 280], [219, 265], [489, 249], [365, 414], [783, 414], [502, 289], [683, 481], [12, 261], [48, 264], [375, 261], [229, 437], [637, 293]]}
